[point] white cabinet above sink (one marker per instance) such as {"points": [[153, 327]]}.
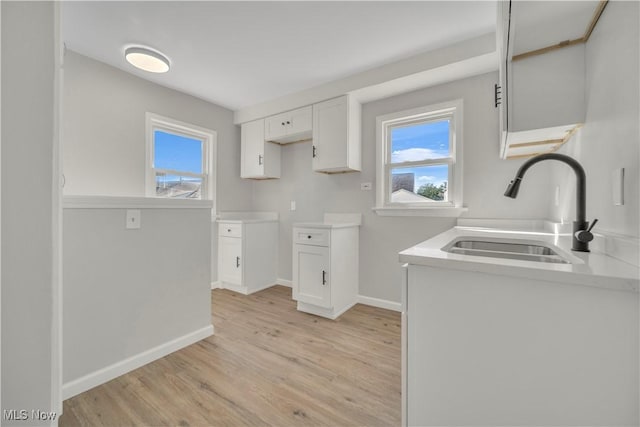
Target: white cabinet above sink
{"points": [[541, 93]]}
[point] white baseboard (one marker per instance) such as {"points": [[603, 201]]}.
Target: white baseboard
{"points": [[380, 303], [216, 285], [108, 373], [284, 282]]}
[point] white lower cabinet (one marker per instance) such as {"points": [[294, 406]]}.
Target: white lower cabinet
{"points": [[247, 255], [493, 349], [313, 273], [230, 257], [325, 268]]}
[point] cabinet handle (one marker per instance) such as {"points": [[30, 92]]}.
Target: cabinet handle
{"points": [[228, 230], [259, 159], [324, 277], [237, 261], [314, 151], [282, 123], [497, 95], [288, 122]]}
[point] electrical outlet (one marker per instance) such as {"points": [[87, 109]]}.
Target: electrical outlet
{"points": [[293, 205], [133, 219], [365, 186]]}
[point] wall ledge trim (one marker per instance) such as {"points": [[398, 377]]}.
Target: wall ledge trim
{"points": [[112, 202], [101, 376]]}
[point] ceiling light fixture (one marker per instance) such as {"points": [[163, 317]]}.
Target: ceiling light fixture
{"points": [[147, 59]]}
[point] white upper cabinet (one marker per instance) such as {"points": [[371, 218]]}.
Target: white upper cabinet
{"points": [[336, 136], [289, 127], [259, 159], [542, 73]]}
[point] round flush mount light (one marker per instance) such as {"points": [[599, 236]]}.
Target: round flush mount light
{"points": [[146, 59]]}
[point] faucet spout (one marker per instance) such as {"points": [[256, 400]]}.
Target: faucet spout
{"points": [[580, 225]]}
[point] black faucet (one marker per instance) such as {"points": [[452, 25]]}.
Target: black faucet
{"points": [[581, 231]]}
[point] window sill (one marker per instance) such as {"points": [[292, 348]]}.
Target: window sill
{"points": [[115, 202], [447, 211]]}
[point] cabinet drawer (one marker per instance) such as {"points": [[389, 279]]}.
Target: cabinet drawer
{"points": [[301, 122], [311, 236], [229, 229], [276, 127], [289, 127]]}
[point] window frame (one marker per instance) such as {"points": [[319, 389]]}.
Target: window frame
{"points": [[452, 110], [155, 122]]}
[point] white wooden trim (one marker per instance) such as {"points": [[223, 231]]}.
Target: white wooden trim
{"points": [[108, 373], [404, 318], [209, 152], [452, 109], [108, 202], [57, 223], [284, 282], [216, 285], [0, 204], [380, 303], [440, 211]]}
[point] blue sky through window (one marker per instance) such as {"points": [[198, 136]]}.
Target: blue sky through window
{"points": [[177, 152], [421, 142]]}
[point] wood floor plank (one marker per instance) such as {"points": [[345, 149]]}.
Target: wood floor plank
{"points": [[267, 365]]}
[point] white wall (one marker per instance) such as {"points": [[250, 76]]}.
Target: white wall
{"points": [[610, 138], [27, 161], [381, 238], [104, 134], [128, 291]]}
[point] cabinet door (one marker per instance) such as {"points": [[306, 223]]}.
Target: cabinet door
{"points": [[252, 149], [301, 121], [330, 135], [230, 260], [275, 127], [312, 275]]}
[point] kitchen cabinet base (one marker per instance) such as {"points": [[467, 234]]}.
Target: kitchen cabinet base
{"points": [[244, 290], [329, 313]]}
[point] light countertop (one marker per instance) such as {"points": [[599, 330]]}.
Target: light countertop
{"points": [[590, 269], [247, 217], [325, 225], [245, 221]]}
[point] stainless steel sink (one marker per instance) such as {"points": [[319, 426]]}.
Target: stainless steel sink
{"points": [[505, 249]]}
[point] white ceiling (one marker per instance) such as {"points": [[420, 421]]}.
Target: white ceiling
{"points": [[238, 54]]}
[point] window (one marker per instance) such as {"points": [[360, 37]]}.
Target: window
{"points": [[180, 159], [420, 158]]}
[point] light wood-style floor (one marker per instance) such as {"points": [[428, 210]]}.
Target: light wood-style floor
{"points": [[267, 364]]}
